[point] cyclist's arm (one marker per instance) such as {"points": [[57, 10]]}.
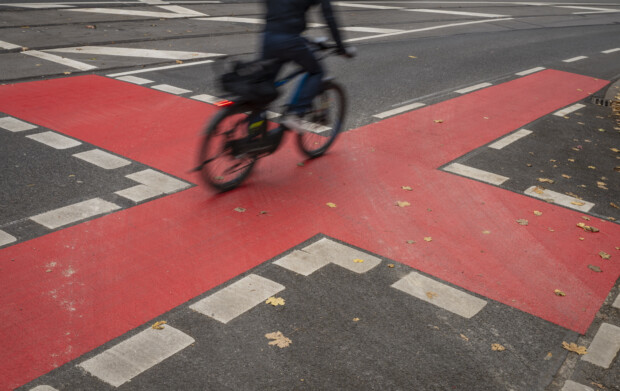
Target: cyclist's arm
{"points": [[330, 19]]}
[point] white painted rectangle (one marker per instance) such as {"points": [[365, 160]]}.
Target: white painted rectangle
{"points": [[43, 388], [560, 199], [135, 355], [139, 193], [616, 303], [511, 138], [578, 58], [73, 213], [370, 30], [134, 80], [570, 385], [60, 60], [14, 125], [474, 173], [459, 13], [8, 46], [181, 10], [399, 110], [604, 347], [237, 298], [134, 52], [443, 296], [6, 238], [148, 14], [234, 19], [102, 159], [611, 51], [54, 140], [343, 255], [569, 109], [302, 262], [473, 88], [189, 64], [37, 5], [530, 71], [207, 98], [156, 180], [170, 89]]}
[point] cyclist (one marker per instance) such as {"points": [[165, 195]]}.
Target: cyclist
{"points": [[282, 41]]}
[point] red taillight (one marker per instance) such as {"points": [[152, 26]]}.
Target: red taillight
{"points": [[224, 103]]}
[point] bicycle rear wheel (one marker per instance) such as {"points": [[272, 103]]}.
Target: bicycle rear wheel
{"points": [[324, 120], [222, 163]]}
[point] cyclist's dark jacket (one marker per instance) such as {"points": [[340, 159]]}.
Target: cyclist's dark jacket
{"points": [[289, 17]]}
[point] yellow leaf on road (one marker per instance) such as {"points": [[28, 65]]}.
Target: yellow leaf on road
{"points": [[438, 121], [546, 180], [408, 188], [428, 239], [537, 213], [559, 292], [331, 204], [357, 260], [464, 337], [523, 222], [275, 301], [431, 295], [159, 325], [278, 339], [402, 204], [573, 347], [497, 347]]}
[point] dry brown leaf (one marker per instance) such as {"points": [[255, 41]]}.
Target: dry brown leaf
{"points": [[464, 337], [573, 347], [497, 347], [390, 265], [408, 188], [275, 301], [614, 205], [546, 180], [566, 176], [278, 339], [438, 121], [599, 385], [431, 295], [592, 167], [239, 209], [571, 160], [549, 356], [604, 255], [428, 239], [402, 204], [159, 325], [559, 292], [179, 62], [537, 213], [331, 204], [595, 268], [523, 222], [578, 203], [616, 150], [356, 319], [539, 190]]}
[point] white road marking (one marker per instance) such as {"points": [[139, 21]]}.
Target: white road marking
{"points": [[206, 98], [233, 19], [237, 298], [162, 182], [177, 9], [579, 58], [54, 140], [6, 238], [511, 138], [616, 303], [60, 60], [591, 10], [302, 262], [570, 385], [139, 193], [189, 64], [398, 110], [342, 255], [426, 29], [474, 173], [370, 30], [102, 159], [170, 89], [569, 109], [476, 14], [148, 14], [134, 80], [440, 294], [153, 2], [8, 46], [43, 388], [128, 359], [611, 51], [530, 71], [604, 347], [14, 125], [473, 88], [37, 5], [134, 52], [378, 7], [74, 213], [560, 199]]}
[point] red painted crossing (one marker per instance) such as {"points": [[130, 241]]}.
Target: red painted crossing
{"points": [[134, 265]]}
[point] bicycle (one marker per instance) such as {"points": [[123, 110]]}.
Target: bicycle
{"points": [[237, 139]]}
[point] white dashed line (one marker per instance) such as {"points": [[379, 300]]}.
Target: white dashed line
{"points": [[611, 51], [377, 7], [569, 109], [570, 385], [139, 193], [102, 159], [38, 5], [74, 213], [474, 173], [342, 255], [135, 80], [398, 110], [591, 10], [511, 138], [54, 140], [135, 355], [579, 58], [60, 60], [560, 199], [149, 14], [302, 262], [181, 10], [158, 181], [14, 125], [604, 347], [473, 88], [189, 64], [370, 30], [43, 388], [8, 46], [6, 238], [530, 71], [171, 89], [439, 294], [134, 52], [206, 98], [460, 13], [237, 298], [616, 303], [233, 19]]}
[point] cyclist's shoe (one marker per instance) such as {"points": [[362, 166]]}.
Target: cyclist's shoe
{"points": [[295, 122]]}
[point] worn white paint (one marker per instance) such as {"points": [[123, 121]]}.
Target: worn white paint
{"points": [[474, 173], [511, 138], [73, 213], [54, 140]]}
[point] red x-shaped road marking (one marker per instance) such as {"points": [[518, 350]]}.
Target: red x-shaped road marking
{"points": [[135, 264]]}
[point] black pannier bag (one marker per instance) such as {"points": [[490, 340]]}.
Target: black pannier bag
{"points": [[252, 81]]}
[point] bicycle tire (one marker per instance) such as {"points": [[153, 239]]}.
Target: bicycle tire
{"points": [[328, 113], [228, 125]]}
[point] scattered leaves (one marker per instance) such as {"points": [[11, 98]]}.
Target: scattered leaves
{"points": [[331, 204], [159, 325], [239, 209], [278, 339], [431, 295], [604, 255], [595, 268], [545, 180], [275, 301], [408, 188], [559, 292], [497, 347], [402, 204], [428, 239], [587, 227], [573, 347], [523, 222]]}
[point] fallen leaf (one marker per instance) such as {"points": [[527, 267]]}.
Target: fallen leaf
{"points": [[331, 204], [356, 319], [602, 185], [410, 241], [537, 213], [539, 190], [486, 232], [595, 268], [548, 356], [497, 347], [614, 205], [275, 301], [616, 150], [278, 339], [239, 209], [573, 347], [604, 255], [390, 265], [523, 222], [431, 295], [559, 292], [67, 73], [546, 180], [428, 239], [551, 229], [408, 188], [601, 129], [301, 164], [592, 167], [571, 160], [90, 26], [179, 62], [582, 239], [438, 121], [599, 385], [566, 176], [578, 203], [357, 260], [412, 57], [585, 218], [159, 325], [402, 204], [464, 337]]}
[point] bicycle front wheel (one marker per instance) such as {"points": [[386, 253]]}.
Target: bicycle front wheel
{"points": [[222, 163], [324, 120]]}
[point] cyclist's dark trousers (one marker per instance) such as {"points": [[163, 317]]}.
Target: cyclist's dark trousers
{"points": [[290, 47]]}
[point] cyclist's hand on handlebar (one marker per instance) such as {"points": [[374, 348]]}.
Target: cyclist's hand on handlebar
{"points": [[348, 51]]}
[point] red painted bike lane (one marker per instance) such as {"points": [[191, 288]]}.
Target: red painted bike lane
{"points": [[135, 264]]}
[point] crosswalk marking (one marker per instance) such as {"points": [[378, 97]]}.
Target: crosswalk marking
{"points": [[139, 193], [102, 159], [578, 58], [511, 138], [560, 199], [14, 125], [8, 46], [460, 13], [54, 140], [73, 213], [149, 14], [399, 110], [302, 262], [170, 89], [473, 88], [569, 109], [530, 71], [189, 64], [135, 80], [6, 238]]}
